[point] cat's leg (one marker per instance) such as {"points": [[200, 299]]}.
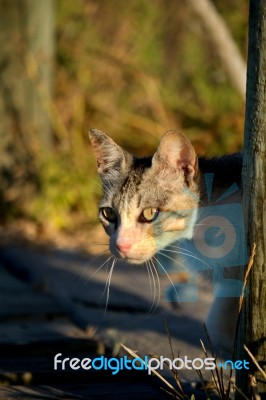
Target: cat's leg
{"points": [[221, 322], [222, 318]]}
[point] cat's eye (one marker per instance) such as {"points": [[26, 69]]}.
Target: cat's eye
{"points": [[149, 214], [109, 214]]}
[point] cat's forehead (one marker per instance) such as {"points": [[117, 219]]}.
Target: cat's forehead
{"points": [[140, 189], [142, 185], [131, 189]]}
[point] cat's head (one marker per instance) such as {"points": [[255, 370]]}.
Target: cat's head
{"points": [[147, 203]]}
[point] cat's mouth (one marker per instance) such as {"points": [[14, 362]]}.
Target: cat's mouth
{"points": [[132, 260]]}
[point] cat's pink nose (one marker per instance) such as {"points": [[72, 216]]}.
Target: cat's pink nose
{"points": [[123, 247]]}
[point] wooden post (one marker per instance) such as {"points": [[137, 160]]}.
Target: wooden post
{"points": [[252, 330]]}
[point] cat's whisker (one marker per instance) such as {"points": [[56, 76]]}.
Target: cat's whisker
{"points": [[179, 247], [98, 184], [159, 285], [94, 190], [81, 274], [109, 283], [93, 258], [106, 283], [172, 259], [149, 275], [157, 288], [98, 269], [105, 189], [151, 285], [91, 261], [168, 276], [154, 287], [188, 255]]}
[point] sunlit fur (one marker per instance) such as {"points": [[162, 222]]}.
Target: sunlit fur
{"points": [[131, 185], [169, 181]]}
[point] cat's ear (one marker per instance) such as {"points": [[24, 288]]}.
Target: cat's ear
{"points": [[111, 158], [177, 153]]}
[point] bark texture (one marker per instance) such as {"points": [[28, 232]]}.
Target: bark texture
{"points": [[253, 325]]}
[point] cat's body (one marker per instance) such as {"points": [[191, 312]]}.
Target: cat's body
{"points": [[150, 203], [226, 170]]}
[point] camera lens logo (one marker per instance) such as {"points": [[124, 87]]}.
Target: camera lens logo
{"points": [[218, 243], [217, 236]]}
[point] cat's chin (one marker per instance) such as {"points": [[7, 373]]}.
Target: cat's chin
{"points": [[135, 261]]}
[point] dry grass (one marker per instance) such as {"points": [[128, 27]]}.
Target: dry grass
{"points": [[222, 384], [107, 76]]}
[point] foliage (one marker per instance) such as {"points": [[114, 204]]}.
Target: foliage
{"points": [[134, 70], [66, 197]]}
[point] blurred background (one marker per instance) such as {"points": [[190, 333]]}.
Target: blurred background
{"points": [[132, 69]]}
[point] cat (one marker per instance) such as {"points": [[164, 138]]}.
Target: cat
{"points": [[149, 203]]}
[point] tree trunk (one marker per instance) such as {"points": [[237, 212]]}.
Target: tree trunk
{"points": [[27, 44], [252, 330]]}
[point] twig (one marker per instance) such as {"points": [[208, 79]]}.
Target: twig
{"points": [[167, 391], [241, 299], [238, 390], [212, 373], [255, 361], [249, 266], [222, 41], [172, 352], [202, 381], [219, 384], [254, 388], [133, 354]]}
